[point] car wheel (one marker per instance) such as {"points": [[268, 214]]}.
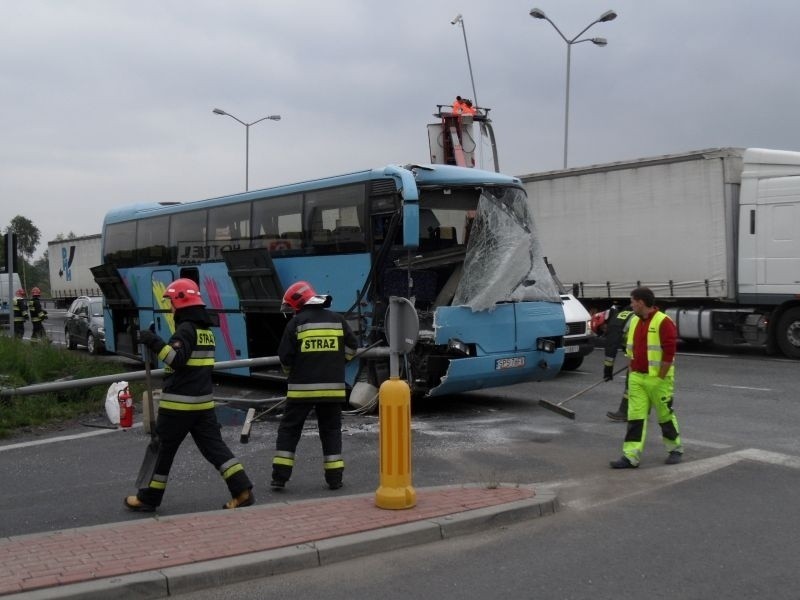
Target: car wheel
{"points": [[70, 342], [91, 344]]}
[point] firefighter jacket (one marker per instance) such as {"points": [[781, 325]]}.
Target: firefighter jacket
{"points": [[616, 334], [313, 351], [20, 310], [38, 314], [189, 360]]}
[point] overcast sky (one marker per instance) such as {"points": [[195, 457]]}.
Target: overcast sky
{"points": [[108, 102]]}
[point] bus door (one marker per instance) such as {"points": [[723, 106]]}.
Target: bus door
{"points": [[158, 310], [120, 311], [260, 295]]}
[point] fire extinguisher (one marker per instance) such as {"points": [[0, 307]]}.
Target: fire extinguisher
{"points": [[125, 408]]}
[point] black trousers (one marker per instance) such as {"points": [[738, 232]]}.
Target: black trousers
{"points": [[172, 428], [329, 424]]}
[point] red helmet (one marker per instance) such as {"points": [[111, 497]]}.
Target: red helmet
{"points": [[36, 292], [20, 293], [300, 294], [183, 293]]}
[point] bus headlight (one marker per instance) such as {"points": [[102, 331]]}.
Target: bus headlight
{"points": [[546, 345]]}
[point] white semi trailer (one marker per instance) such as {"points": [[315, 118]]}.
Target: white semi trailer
{"points": [[70, 261], [715, 233]]}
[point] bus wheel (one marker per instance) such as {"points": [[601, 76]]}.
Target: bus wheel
{"points": [[788, 333]]}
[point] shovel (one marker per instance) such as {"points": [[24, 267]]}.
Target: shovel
{"points": [[151, 454], [565, 412], [244, 437]]}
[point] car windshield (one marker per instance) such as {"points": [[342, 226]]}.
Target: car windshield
{"points": [[96, 308]]}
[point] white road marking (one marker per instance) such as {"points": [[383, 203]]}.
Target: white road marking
{"points": [[742, 387], [598, 492], [62, 438]]}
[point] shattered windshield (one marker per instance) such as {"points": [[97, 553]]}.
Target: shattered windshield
{"points": [[504, 261]]}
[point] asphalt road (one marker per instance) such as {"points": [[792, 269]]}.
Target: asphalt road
{"points": [[79, 475]]}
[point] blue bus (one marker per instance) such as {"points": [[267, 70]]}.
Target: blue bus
{"points": [[459, 243]]}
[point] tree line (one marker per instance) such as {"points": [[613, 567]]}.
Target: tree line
{"points": [[32, 273]]}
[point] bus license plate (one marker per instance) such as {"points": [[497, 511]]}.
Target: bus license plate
{"points": [[509, 363]]}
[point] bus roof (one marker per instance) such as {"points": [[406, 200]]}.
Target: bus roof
{"points": [[435, 175]]}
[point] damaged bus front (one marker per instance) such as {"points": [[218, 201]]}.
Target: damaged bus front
{"points": [[489, 310]]}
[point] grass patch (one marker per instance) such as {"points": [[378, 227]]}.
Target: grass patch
{"points": [[28, 363]]}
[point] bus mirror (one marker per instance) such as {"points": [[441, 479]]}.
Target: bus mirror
{"points": [[410, 224]]}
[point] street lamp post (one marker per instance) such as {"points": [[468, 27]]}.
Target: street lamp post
{"points": [[219, 111], [609, 15], [459, 20]]}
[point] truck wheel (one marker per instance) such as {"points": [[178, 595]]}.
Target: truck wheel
{"points": [[571, 363], [70, 342], [788, 333]]}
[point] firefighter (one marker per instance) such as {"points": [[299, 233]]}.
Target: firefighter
{"points": [[38, 315], [313, 350], [616, 332], [20, 313], [186, 405]]}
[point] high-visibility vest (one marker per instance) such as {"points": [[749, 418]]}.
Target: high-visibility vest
{"points": [[654, 351]]}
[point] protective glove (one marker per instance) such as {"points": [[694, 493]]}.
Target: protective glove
{"points": [[151, 340], [608, 370]]}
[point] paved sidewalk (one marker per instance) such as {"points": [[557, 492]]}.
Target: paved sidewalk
{"points": [[158, 556]]}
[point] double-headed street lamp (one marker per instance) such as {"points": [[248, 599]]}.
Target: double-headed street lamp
{"points": [[219, 111], [609, 15]]}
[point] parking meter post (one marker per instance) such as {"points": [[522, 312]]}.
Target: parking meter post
{"points": [[394, 400]]}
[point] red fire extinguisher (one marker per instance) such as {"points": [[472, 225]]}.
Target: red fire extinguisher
{"points": [[125, 408]]}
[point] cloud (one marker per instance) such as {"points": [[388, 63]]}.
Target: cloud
{"points": [[109, 102]]}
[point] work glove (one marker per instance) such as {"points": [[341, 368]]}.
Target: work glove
{"points": [[608, 370], [151, 340]]}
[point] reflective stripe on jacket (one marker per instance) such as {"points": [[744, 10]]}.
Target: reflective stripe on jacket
{"points": [[654, 349], [314, 349], [189, 360]]}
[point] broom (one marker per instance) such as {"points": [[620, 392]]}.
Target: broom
{"points": [[565, 412]]}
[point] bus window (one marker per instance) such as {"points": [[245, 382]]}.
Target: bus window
{"points": [[277, 224], [229, 222], [335, 217], [152, 240], [120, 244], [187, 237]]}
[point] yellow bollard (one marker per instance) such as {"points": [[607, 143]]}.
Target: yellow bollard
{"points": [[395, 490]]}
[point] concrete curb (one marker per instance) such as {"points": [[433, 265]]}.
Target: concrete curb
{"points": [[219, 572]]}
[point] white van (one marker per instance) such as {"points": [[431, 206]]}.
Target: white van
{"points": [[579, 339], [4, 299]]}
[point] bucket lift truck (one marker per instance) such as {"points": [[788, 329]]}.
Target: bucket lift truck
{"points": [[452, 141]]}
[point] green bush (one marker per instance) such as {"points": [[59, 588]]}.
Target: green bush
{"points": [[25, 363]]}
